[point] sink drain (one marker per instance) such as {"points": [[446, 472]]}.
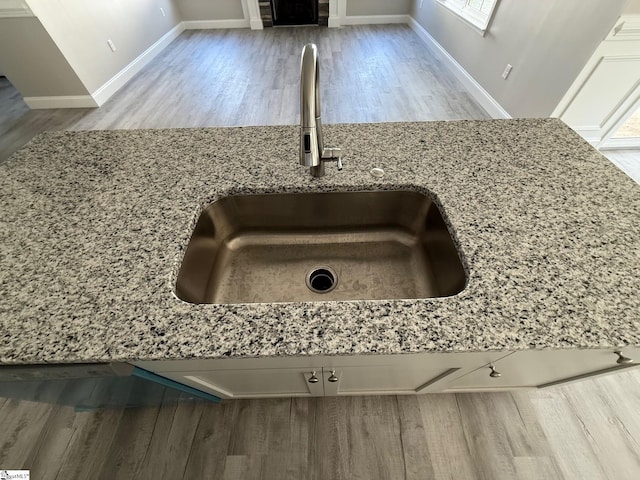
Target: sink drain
{"points": [[322, 279]]}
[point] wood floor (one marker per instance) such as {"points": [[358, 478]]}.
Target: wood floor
{"points": [[209, 78], [212, 78], [587, 430]]}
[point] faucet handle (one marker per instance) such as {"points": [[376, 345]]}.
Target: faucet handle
{"points": [[330, 154]]}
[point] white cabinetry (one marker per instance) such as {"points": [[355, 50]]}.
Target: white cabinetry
{"points": [[347, 375], [542, 368], [399, 374], [388, 374]]}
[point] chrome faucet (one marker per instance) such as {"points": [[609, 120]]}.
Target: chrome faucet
{"points": [[312, 151]]}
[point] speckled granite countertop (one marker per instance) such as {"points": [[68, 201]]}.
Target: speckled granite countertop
{"points": [[93, 227]]}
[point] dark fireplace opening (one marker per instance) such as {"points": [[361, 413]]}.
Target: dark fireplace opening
{"points": [[295, 12]]}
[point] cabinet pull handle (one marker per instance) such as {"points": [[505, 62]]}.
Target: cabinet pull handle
{"points": [[313, 378], [333, 377], [494, 373], [622, 360]]}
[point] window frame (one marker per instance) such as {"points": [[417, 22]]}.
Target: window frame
{"points": [[476, 19]]}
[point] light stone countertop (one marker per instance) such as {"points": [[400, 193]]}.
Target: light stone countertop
{"points": [[94, 224]]}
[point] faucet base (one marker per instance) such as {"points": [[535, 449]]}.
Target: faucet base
{"points": [[318, 171], [330, 154]]}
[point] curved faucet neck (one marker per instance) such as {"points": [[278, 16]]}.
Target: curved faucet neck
{"points": [[310, 114], [312, 151]]}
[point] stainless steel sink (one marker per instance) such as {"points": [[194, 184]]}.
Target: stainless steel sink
{"points": [[318, 247]]}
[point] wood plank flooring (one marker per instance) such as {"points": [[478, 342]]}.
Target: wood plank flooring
{"points": [[585, 430], [376, 73], [210, 78], [19, 124]]}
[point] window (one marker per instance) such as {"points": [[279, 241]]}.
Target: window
{"points": [[476, 12]]}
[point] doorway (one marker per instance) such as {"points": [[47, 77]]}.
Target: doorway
{"points": [[606, 93], [626, 134], [294, 12], [630, 128]]}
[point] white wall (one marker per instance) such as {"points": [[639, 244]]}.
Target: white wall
{"points": [[81, 29], [14, 8], [547, 42], [195, 10], [632, 7], [378, 7], [210, 9], [32, 62]]}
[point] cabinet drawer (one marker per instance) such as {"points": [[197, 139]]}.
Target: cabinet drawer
{"points": [[541, 368]]}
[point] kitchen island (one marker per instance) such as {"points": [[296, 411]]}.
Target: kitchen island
{"points": [[95, 224]]}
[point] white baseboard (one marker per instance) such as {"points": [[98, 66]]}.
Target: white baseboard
{"points": [[593, 135], [214, 24], [334, 22], [75, 101], [127, 73], [17, 12], [483, 97], [620, 143], [373, 19]]}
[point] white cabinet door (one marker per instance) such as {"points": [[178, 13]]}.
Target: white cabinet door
{"points": [[607, 90], [260, 383], [289, 376], [542, 368], [244, 378], [398, 374]]}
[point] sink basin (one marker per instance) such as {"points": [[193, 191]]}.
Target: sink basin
{"points": [[319, 247]]}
